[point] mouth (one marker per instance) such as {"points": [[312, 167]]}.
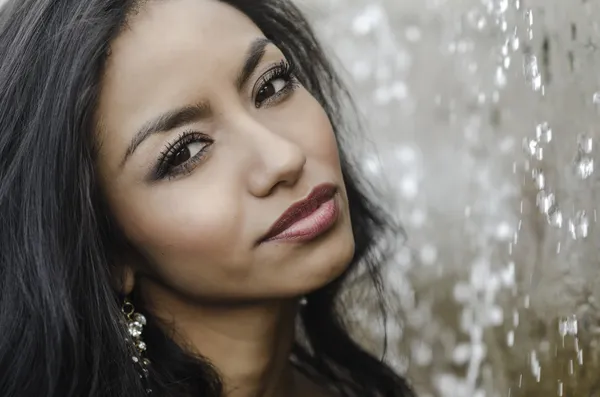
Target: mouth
{"points": [[307, 219]]}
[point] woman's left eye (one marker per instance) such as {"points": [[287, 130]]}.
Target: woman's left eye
{"points": [[275, 85], [271, 88]]}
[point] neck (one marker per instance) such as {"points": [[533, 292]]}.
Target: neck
{"points": [[249, 344]]}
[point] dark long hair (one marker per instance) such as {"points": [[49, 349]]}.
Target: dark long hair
{"points": [[61, 330]]}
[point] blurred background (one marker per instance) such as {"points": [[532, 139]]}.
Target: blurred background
{"points": [[481, 120]]}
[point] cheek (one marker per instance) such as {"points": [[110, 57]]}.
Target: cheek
{"points": [[183, 227], [322, 144]]}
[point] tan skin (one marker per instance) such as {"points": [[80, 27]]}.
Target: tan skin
{"points": [[250, 153]]}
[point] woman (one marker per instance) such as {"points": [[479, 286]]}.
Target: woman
{"points": [[170, 188]]}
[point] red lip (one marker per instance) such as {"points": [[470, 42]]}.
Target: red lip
{"points": [[302, 209]]}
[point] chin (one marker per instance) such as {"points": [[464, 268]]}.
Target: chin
{"points": [[328, 264]]}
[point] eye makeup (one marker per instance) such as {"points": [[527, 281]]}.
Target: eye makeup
{"points": [[181, 156]]}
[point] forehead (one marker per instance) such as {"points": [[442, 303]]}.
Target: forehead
{"points": [[170, 21], [165, 32], [171, 53]]}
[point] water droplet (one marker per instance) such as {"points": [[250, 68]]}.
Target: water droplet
{"points": [[543, 132], [428, 254], [546, 202], [409, 187], [539, 179], [529, 21], [515, 43], [399, 90], [560, 388], [495, 315], [584, 166], [476, 20], [528, 16], [413, 34], [567, 326], [596, 98], [503, 231], [585, 143], [500, 78], [555, 217], [481, 98], [532, 72], [422, 354], [510, 338], [532, 148], [461, 353], [365, 22], [536, 368], [579, 225], [501, 6]]}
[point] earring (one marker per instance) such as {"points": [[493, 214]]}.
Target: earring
{"points": [[135, 325]]}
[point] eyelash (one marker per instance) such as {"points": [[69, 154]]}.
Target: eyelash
{"points": [[284, 70]]}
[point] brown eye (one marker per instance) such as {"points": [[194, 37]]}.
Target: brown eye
{"points": [[181, 157], [269, 89], [186, 153]]}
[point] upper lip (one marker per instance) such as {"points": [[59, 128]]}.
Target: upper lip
{"points": [[301, 209]]}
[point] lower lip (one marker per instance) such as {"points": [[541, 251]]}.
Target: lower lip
{"points": [[312, 226]]}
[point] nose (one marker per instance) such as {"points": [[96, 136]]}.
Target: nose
{"points": [[277, 160]]}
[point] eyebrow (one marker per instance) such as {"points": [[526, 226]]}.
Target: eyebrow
{"points": [[192, 113]]}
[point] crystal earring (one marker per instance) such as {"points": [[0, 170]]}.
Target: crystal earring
{"points": [[135, 325]]}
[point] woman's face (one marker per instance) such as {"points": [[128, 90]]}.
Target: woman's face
{"points": [[206, 140]]}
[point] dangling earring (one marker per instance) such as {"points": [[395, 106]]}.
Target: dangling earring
{"points": [[135, 325], [303, 301]]}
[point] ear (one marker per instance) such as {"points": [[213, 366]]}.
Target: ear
{"points": [[123, 278], [127, 279]]}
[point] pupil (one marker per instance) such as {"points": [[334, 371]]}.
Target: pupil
{"points": [[265, 92], [181, 157]]}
